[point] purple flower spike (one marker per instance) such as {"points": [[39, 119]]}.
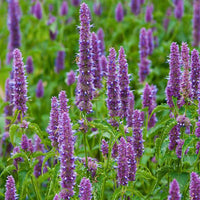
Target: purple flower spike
{"points": [[75, 2], [63, 103], [173, 85], [85, 191], [167, 20], [197, 147], [96, 68], [20, 88], [38, 147], [71, 77], [29, 65], [186, 88], [174, 191], [149, 13], [56, 197], [24, 142], [10, 189], [150, 41], [104, 65], [179, 148], [144, 51], [194, 186], [131, 103], [112, 86], [115, 150], [14, 29], [60, 61], [195, 72], [135, 7], [40, 89], [174, 135], [38, 10], [104, 148], [30, 146], [64, 8], [119, 12], [52, 34], [149, 97], [100, 35], [143, 45], [131, 162], [84, 90], [97, 8], [123, 83], [196, 25], [122, 163], [137, 133], [179, 9], [66, 150], [53, 122]]}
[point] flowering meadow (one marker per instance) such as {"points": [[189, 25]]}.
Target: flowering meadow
{"points": [[100, 99]]}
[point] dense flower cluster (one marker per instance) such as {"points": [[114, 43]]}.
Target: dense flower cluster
{"points": [[137, 133], [20, 84], [173, 85], [194, 186], [195, 72], [66, 150], [13, 26], [113, 101], [122, 163], [144, 51], [104, 147], [149, 101], [119, 12], [123, 83], [85, 192], [96, 67], [10, 189], [196, 25], [174, 191], [84, 90], [53, 123]]}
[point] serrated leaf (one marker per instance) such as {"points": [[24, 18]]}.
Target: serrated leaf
{"points": [[7, 169], [157, 148], [159, 108], [162, 171], [12, 133], [145, 174], [15, 116], [37, 154], [38, 131], [47, 156], [116, 193], [21, 154]]}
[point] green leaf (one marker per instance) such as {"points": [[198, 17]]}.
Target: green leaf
{"points": [[8, 169], [157, 147], [15, 116], [12, 133], [116, 193], [21, 154], [37, 154], [47, 156], [159, 108], [145, 174], [38, 131]]}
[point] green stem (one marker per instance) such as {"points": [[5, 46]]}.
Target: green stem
{"points": [[105, 172], [35, 188], [85, 147]]}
